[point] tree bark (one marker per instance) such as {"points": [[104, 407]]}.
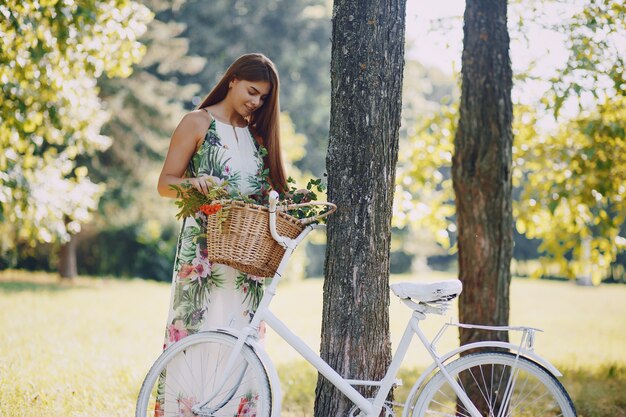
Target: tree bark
{"points": [[366, 84], [481, 174], [481, 170], [67, 259]]}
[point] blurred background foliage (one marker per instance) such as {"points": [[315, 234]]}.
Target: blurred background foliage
{"points": [[51, 113], [92, 91]]}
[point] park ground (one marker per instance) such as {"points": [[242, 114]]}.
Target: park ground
{"points": [[82, 348]]}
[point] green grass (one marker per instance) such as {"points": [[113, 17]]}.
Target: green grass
{"points": [[82, 349], [597, 392]]}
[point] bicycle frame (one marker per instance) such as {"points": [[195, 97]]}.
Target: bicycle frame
{"points": [[371, 408], [346, 386]]}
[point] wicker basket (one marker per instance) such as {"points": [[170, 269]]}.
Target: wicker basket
{"points": [[244, 241]]}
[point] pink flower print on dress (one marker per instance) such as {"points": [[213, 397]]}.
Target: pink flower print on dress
{"points": [[201, 267], [202, 251], [227, 170], [262, 331], [185, 271], [158, 409], [177, 331], [185, 405], [201, 270], [246, 408]]}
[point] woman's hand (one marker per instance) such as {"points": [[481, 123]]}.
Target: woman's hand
{"points": [[204, 182]]}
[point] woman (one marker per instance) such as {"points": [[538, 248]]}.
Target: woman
{"points": [[219, 141]]}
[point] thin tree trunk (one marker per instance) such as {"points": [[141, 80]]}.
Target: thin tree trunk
{"points": [[366, 79], [481, 170], [67, 259], [481, 174]]}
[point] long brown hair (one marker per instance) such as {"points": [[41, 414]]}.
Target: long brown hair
{"points": [[264, 122]]}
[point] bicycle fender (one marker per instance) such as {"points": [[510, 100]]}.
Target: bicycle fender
{"points": [[277, 395], [528, 354], [487, 344]]}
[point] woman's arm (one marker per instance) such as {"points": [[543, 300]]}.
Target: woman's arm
{"points": [[184, 142]]}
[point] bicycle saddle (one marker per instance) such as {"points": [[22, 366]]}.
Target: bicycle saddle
{"points": [[428, 292]]}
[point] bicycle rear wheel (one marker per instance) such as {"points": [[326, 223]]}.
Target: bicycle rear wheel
{"points": [[188, 373], [534, 391]]}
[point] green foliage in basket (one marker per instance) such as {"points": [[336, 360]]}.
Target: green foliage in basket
{"points": [[296, 197], [190, 200]]}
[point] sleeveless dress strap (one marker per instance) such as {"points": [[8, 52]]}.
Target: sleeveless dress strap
{"points": [[208, 112]]}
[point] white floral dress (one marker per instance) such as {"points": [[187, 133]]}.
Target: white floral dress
{"points": [[204, 294]]}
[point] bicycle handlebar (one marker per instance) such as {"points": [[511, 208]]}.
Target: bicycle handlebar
{"points": [[286, 242], [282, 241]]}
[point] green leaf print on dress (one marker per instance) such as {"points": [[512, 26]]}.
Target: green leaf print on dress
{"points": [[195, 277], [252, 287], [201, 160], [211, 160], [259, 182], [187, 244]]}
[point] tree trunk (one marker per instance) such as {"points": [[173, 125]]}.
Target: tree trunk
{"points": [[481, 173], [366, 79], [481, 170], [67, 259]]}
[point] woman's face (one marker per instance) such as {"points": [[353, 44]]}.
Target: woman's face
{"points": [[248, 96]]}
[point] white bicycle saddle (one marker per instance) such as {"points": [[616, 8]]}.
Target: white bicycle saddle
{"points": [[428, 292]]}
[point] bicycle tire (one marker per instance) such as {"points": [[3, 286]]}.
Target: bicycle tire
{"points": [[194, 363], [537, 392]]}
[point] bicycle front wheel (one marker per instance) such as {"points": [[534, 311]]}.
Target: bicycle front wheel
{"points": [[189, 373], [499, 385]]}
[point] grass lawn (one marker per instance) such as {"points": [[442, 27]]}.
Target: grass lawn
{"points": [[82, 349]]}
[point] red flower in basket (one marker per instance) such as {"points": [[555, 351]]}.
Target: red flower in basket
{"points": [[209, 209]]}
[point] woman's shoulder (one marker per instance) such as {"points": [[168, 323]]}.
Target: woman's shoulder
{"points": [[193, 127], [198, 120]]}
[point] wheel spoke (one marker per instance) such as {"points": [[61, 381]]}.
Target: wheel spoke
{"points": [[536, 400], [440, 411], [482, 393], [487, 388], [532, 391], [191, 375]]}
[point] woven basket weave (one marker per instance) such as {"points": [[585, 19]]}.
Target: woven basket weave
{"points": [[244, 241]]}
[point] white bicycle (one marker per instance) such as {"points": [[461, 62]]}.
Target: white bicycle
{"points": [[224, 372]]}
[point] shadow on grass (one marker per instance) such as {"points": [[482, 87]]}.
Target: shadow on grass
{"points": [[17, 280], [10, 286]]}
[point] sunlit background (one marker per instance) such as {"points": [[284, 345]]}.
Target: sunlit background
{"points": [[85, 120]]}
